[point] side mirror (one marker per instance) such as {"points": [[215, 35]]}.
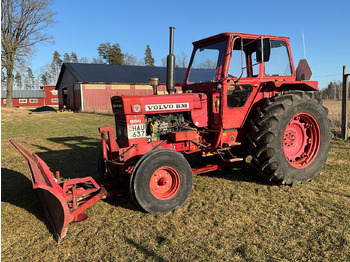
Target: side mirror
{"points": [[263, 49]]}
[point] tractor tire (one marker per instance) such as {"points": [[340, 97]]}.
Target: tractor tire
{"points": [[112, 174], [290, 137], [161, 181], [101, 168]]}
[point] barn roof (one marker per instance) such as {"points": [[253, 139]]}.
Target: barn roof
{"points": [[103, 73], [25, 94]]}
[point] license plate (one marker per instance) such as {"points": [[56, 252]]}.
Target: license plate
{"points": [[136, 131]]}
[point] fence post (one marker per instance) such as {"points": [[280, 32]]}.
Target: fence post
{"points": [[344, 119]]}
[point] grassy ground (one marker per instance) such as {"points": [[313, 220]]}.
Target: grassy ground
{"points": [[231, 215]]}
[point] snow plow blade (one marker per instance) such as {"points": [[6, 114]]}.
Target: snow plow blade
{"points": [[63, 201]]}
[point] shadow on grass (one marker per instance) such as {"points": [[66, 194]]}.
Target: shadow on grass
{"points": [[244, 172], [17, 190], [123, 201], [76, 142], [80, 160], [239, 171], [148, 253]]}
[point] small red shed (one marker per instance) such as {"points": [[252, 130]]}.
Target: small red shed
{"points": [[46, 96], [25, 98]]}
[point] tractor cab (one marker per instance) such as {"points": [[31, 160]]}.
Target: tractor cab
{"points": [[236, 56], [231, 67]]}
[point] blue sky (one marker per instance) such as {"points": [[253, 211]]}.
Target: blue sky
{"points": [[83, 24]]}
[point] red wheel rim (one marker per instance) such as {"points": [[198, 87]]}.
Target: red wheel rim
{"points": [[164, 183], [301, 140]]}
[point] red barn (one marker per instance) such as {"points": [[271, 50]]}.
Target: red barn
{"points": [[47, 96], [25, 98], [51, 95], [89, 87]]}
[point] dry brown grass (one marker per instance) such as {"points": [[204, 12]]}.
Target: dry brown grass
{"points": [[231, 215], [334, 114]]}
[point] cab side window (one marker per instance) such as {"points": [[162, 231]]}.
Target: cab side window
{"points": [[243, 62], [236, 65], [279, 63]]}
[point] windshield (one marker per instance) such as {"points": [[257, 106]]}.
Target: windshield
{"points": [[207, 63]]}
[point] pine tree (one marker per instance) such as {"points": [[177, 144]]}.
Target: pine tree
{"points": [[30, 79], [43, 80], [66, 58], [18, 80], [56, 65], [149, 60], [111, 54], [74, 57]]}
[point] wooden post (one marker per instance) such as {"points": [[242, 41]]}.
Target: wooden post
{"points": [[344, 120]]}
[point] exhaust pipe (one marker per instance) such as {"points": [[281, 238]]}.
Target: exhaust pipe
{"points": [[170, 72]]}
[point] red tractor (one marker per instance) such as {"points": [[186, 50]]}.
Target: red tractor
{"points": [[241, 95]]}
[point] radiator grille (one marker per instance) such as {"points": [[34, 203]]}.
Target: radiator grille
{"points": [[120, 122]]}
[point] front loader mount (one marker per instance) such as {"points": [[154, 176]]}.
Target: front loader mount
{"points": [[63, 201]]}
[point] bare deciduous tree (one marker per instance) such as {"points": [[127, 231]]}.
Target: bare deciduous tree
{"points": [[163, 61], [182, 60], [130, 59], [23, 25]]}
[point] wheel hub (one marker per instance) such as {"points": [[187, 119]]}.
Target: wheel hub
{"points": [[164, 183], [301, 140]]}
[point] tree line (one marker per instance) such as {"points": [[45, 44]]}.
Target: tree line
{"points": [[107, 54], [24, 25], [333, 91]]}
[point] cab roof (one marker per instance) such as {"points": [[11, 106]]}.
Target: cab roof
{"points": [[234, 34]]}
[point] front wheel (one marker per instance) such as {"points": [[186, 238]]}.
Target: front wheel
{"points": [[290, 137], [102, 168], [161, 181]]}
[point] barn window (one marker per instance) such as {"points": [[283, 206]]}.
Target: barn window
{"points": [[33, 100], [54, 100], [22, 101]]}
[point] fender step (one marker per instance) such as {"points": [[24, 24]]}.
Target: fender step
{"points": [[226, 155]]}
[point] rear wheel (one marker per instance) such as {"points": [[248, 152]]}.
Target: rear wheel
{"points": [[161, 181], [290, 137]]}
